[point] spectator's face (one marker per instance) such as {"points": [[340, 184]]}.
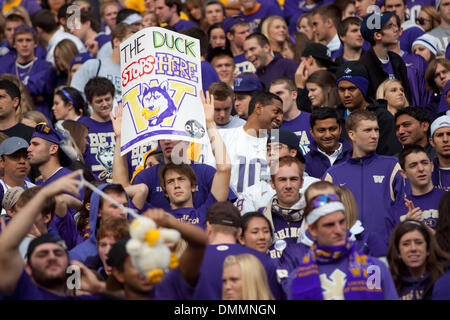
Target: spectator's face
{"points": [[167, 147], [82, 31], [163, 12], [303, 26], [16, 165], [441, 76], [326, 134], [224, 66], [353, 37], [48, 265], [104, 245], [232, 282], [151, 161], [241, 103], [424, 20], [257, 235], [422, 51], [248, 4], [132, 279], [365, 136], [288, 97], [329, 230], [444, 10], [60, 109], [395, 95], [412, 249], [217, 38], [441, 141], [287, 183], [213, 13], [390, 32], [319, 27], [38, 151], [222, 111], [195, 12], [179, 188], [59, 60], [110, 15], [25, 44], [350, 95], [9, 30], [109, 209], [418, 169], [277, 150], [362, 7], [349, 11], [396, 6], [240, 33], [149, 20], [256, 54], [271, 115], [410, 131], [278, 30], [315, 95], [102, 105]]}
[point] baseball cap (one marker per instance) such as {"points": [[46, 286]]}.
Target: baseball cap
{"points": [[11, 197], [132, 18], [247, 83], [45, 238], [373, 23], [356, 73], [288, 138], [45, 132], [441, 122], [229, 22], [11, 145], [80, 59], [224, 213], [320, 52]]}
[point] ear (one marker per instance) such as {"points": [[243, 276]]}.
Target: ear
{"points": [[47, 218], [312, 230], [425, 126], [294, 94], [403, 173], [377, 36], [208, 228], [272, 184], [431, 142], [258, 108], [27, 269], [229, 36], [2, 163], [10, 212], [53, 149], [351, 134], [241, 239], [88, 206], [329, 23], [193, 187], [239, 233], [16, 102], [312, 133], [292, 152]]}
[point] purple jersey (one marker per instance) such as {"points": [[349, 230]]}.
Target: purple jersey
{"points": [[300, 126], [441, 289], [277, 68], [172, 287], [209, 285], [26, 289], [99, 153], [428, 203], [333, 277], [150, 177], [387, 67], [209, 75], [416, 67], [262, 10], [440, 177], [183, 24], [242, 64]]}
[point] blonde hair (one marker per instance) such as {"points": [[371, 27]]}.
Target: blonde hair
{"points": [[21, 11], [67, 51], [382, 88], [265, 31], [350, 205], [33, 115], [253, 277], [433, 14]]}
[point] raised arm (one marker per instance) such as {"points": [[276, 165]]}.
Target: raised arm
{"points": [[11, 262], [221, 180], [120, 165], [191, 260], [138, 194]]}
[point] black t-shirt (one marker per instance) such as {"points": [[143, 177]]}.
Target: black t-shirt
{"points": [[19, 130]]}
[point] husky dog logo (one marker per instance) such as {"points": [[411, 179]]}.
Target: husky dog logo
{"points": [[105, 156], [157, 104]]}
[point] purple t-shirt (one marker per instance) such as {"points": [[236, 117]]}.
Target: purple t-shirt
{"points": [[267, 8], [27, 290], [242, 64], [183, 24], [209, 75], [99, 153], [440, 177], [387, 67], [172, 287], [209, 286], [194, 216], [300, 126]]}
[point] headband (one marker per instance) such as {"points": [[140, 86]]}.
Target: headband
{"points": [[324, 210]]}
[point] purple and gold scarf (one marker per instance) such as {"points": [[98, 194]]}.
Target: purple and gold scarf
{"points": [[306, 283]]}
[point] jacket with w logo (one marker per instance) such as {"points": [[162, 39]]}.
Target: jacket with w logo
{"points": [[377, 184]]}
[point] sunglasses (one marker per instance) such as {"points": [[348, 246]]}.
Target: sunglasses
{"points": [[421, 21], [322, 200], [42, 127]]}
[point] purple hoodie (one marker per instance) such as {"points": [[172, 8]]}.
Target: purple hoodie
{"points": [[443, 106], [277, 68]]}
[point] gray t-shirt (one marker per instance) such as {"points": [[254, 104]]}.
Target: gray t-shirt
{"points": [[234, 123], [88, 70], [443, 35]]}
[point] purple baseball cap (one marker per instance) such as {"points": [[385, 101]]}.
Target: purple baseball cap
{"points": [[43, 131]]}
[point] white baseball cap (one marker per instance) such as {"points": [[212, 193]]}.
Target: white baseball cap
{"points": [[441, 122]]}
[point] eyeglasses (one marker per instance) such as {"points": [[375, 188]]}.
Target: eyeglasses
{"points": [[42, 127], [422, 21], [322, 200]]}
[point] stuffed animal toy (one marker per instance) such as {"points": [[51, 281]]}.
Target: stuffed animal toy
{"points": [[148, 249]]}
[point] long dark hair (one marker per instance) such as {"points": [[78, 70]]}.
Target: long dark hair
{"points": [[436, 257], [443, 223]]}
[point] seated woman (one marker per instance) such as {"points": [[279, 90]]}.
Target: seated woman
{"points": [[415, 260], [256, 232], [275, 29], [322, 89], [392, 91], [426, 46], [244, 278]]}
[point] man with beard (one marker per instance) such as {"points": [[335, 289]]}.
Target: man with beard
{"points": [[43, 276]]}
